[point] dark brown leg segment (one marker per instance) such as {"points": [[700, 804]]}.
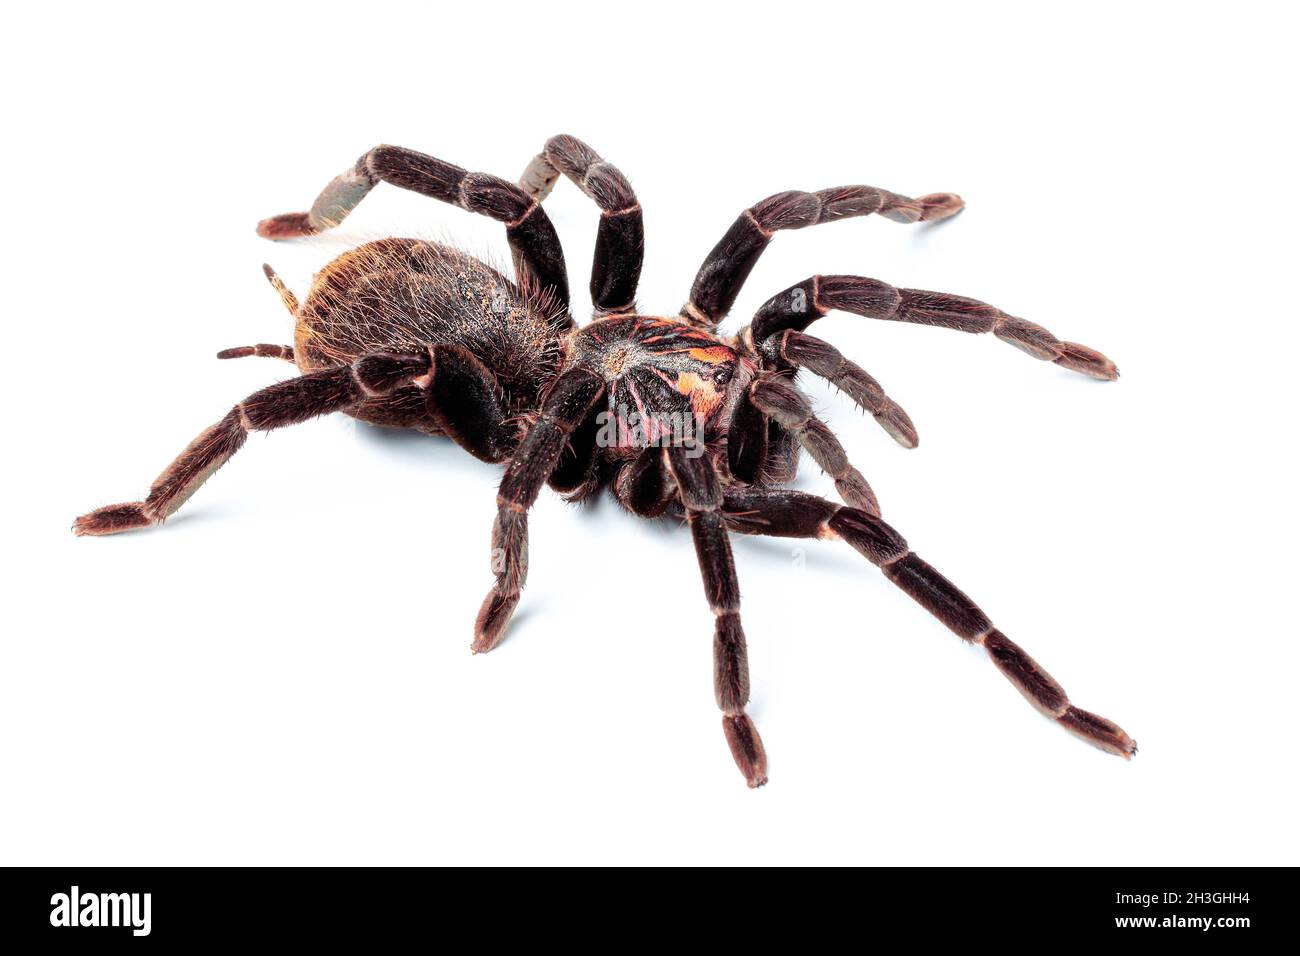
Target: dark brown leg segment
{"points": [[747, 442], [794, 514], [577, 474], [644, 485], [465, 400], [620, 238], [284, 352], [728, 266], [802, 304], [532, 237], [565, 408], [701, 496], [773, 395], [286, 403]]}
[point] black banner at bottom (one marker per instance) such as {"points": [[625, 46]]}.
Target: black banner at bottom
{"points": [[134, 907]]}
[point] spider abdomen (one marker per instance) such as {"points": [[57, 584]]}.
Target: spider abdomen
{"points": [[403, 295]]}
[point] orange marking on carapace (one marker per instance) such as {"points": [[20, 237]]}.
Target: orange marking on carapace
{"points": [[714, 354], [703, 395], [688, 382]]}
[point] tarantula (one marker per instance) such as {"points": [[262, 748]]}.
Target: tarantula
{"points": [[413, 334]]}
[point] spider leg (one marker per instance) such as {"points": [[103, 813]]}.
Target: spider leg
{"points": [[620, 237], [701, 495], [793, 514], [460, 394], [286, 403], [728, 266], [577, 475], [261, 350], [532, 238], [802, 304], [565, 408], [464, 398], [748, 437], [644, 485], [773, 395], [824, 360]]}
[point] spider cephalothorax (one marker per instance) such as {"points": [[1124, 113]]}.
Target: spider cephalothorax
{"points": [[669, 416], [664, 381]]}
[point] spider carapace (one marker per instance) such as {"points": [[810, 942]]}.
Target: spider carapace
{"points": [[665, 413]]}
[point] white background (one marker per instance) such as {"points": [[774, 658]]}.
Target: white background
{"points": [[282, 674]]}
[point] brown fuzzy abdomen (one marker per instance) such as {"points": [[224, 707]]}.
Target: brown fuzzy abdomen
{"points": [[402, 295]]}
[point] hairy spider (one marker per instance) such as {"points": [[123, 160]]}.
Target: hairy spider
{"points": [[672, 417]]}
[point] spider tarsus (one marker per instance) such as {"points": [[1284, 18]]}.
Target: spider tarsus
{"points": [[898, 424], [938, 206], [1098, 731], [855, 491], [493, 618], [746, 748], [112, 519], [1080, 358], [289, 225]]}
